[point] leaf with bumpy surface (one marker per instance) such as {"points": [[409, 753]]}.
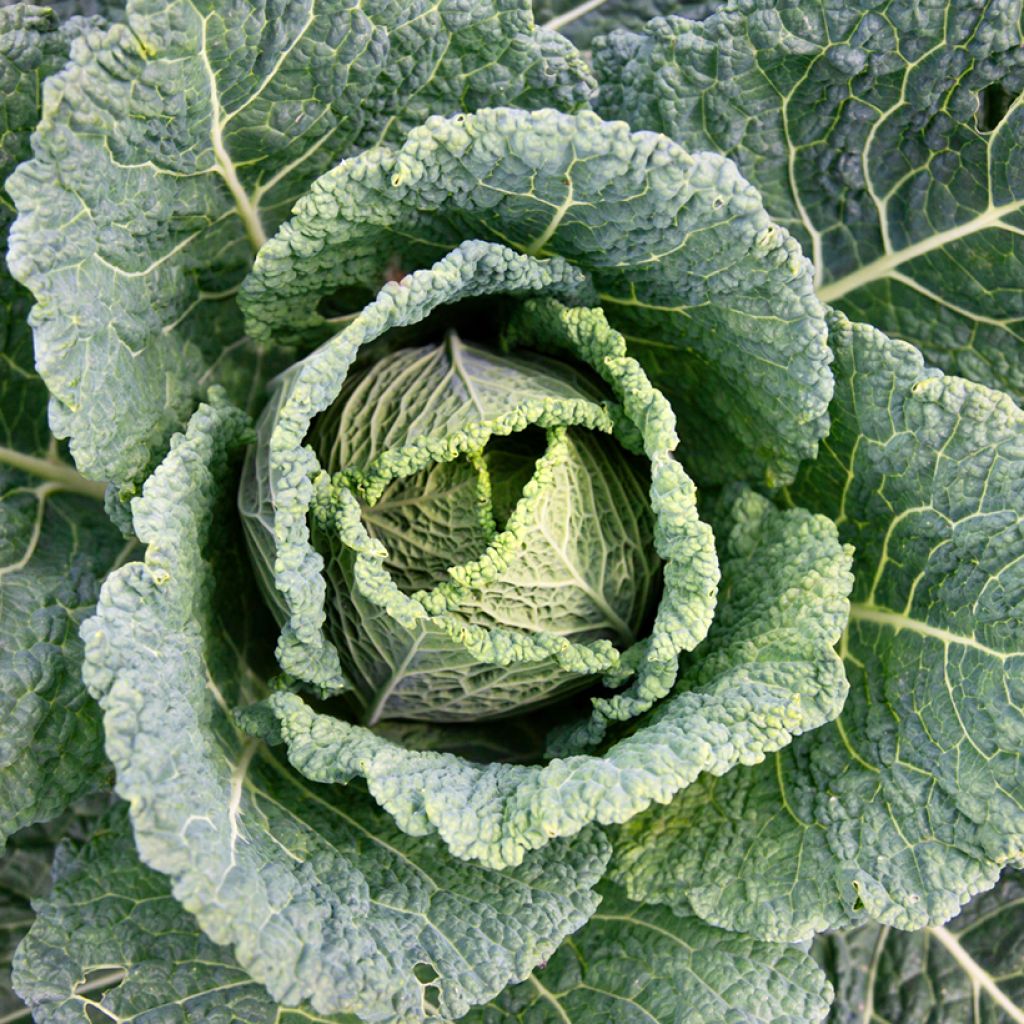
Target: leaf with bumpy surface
{"points": [[25, 876], [55, 541], [645, 965], [911, 801], [970, 971], [630, 963], [171, 146], [582, 20], [575, 557], [766, 672], [714, 299], [108, 908], [459, 649], [319, 894], [886, 136]]}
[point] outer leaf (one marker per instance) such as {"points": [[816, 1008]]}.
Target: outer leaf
{"points": [[319, 894], [714, 299], [912, 800], [766, 672], [31, 48], [25, 873], [644, 965], [55, 541], [109, 909], [171, 146], [582, 21], [630, 963], [886, 136], [969, 972], [54, 549], [112, 10]]}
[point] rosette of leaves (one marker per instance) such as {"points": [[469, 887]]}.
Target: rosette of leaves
{"points": [[767, 763], [434, 880]]}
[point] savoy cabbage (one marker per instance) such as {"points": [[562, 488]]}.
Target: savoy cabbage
{"points": [[511, 515]]}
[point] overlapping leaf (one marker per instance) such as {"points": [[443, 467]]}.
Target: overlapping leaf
{"points": [[969, 971], [173, 144], [888, 137], [714, 299], [630, 963], [319, 894], [645, 965], [109, 909], [766, 673], [55, 541], [25, 876], [571, 565], [912, 800]]}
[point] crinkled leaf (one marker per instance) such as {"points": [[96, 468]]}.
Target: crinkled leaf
{"points": [[912, 800], [969, 972], [31, 48], [55, 542], [54, 549], [173, 144], [714, 298], [283, 476], [453, 650], [630, 963], [107, 908], [575, 557], [25, 873], [320, 895], [644, 965], [582, 21], [766, 672], [886, 136]]}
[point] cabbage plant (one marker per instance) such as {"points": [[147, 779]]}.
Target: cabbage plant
{"points": [[467, 529]]}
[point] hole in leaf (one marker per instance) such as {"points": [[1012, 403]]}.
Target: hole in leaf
{"points": [[94, 986], [432, 999], [993, 103], [95, 1014], [425, 973]]}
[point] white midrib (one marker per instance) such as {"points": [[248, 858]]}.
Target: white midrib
{"points": [[247, 210], [536, 247], [559, 22], [898, 621], [979, 977], [884, 265], [552, 1000], [238, 777], [66, 477], [397, 675]]}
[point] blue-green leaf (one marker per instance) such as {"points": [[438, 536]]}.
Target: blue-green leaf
{"points": [[888, 137]]}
